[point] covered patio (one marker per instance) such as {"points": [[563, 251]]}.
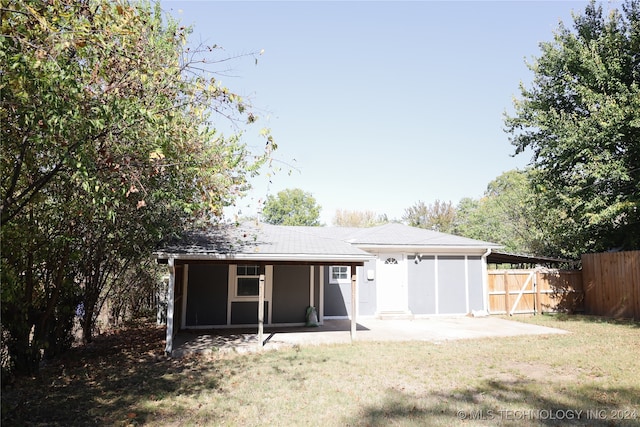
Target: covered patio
{"points": [[237, 280]]}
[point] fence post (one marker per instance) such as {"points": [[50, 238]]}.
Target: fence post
{"points": [[506, 292], [536, 283]]}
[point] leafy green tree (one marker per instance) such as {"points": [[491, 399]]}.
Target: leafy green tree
{"points": [[346, 218], [109, 145], [439, 216], [291, 207], [506, 214], [581, 120]]}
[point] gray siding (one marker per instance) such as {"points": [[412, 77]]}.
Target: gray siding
{"points": [[207, 295], [337, 297], [451, 285], [476, 290], [422, 285], [366, 290], [290, 297], [246, 312]]}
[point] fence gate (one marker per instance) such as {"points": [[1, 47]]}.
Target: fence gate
{"points": [[512, 291], [534, 291]]}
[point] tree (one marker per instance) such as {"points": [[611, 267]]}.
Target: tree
{"points": [[109, 146], [581, 120], [438, 216], [506, 214], [291, 207], [346, 218]]}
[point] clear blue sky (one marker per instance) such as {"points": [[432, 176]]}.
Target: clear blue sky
{"points": [[379, 105]]}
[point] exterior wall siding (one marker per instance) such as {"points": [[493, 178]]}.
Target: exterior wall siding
{"points": [[366, 290], [476, 289], [422, 285], [246, 312], [337, 296], [435, 285], [290, 293], [206, 295], [451, 285]]}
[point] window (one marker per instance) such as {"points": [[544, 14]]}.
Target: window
{"points": [[391, 261], [248, 280], [339, 274]]}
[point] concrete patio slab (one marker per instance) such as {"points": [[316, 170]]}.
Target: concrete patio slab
{"points": [[434, 329]]}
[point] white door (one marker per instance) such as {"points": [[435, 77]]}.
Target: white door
{"points": [[391, 283]]}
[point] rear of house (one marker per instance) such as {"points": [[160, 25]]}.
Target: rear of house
{"points": [[220, 275], [413, 272]]}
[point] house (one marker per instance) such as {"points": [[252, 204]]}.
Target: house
{"points": [[257, 274]]}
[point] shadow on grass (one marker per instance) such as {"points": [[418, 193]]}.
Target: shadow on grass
{"points": [[564, 317], [102, 382], [506, 403]]}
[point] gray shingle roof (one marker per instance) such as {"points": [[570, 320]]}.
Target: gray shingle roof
{"points": [[269, 242], [260, 241], [394, 234]]}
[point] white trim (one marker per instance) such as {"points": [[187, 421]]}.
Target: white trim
{"points": [[232, 297], [261, 280], [426, 250], [337, 317], [354, 303], [170, 309], [311, 286], [436, 294], [244, 325], [485, 280], [321, 304], [230, 289], [340, 281], [261, 257], [235, 296], [268, 292], [466, 283]]}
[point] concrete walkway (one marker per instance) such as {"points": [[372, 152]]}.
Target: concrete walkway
{"points": [[435, 329]]}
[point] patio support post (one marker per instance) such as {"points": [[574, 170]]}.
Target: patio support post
{"points": [[171, 300], [354, 301], [261, 307]]}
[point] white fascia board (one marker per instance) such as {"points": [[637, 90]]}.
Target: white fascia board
{"points": [[435, 250], [336, 259]]}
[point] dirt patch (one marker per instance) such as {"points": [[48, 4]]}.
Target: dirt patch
{"points": [[89, 379]]}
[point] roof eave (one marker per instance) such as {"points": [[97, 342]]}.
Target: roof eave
{"points": [[436, 249], [328, 258]]}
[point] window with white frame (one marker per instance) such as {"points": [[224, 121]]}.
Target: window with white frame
{"points": [[247, 280], [339, 274]]}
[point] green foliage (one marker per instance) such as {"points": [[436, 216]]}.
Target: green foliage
{"points": [[291, 207], [506, 214], [108, 147], [439, 216], [581, 120], [346, 218]]}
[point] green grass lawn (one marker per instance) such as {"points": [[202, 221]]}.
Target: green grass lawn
{"points": [[588, 377]]}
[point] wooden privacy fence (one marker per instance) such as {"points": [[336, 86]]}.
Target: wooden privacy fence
{"points": [[612, 284], [537, 290]]}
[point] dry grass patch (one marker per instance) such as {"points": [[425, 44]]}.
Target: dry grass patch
{"points": [[374, 384]]}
